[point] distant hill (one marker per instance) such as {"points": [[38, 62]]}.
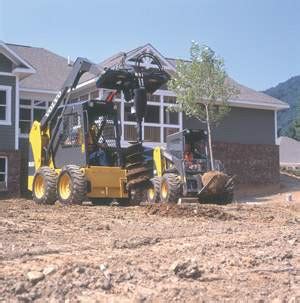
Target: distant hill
{"points": [[288, 91]]}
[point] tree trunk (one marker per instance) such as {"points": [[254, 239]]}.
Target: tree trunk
{"points": [[209, 139]]}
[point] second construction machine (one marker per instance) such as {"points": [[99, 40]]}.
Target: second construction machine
{"points": [[182, 170]]}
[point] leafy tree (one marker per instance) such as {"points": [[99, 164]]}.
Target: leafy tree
{"points": [[202, 88]]}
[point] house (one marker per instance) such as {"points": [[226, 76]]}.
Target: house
{"points": [[289, 153], [30, 77]]}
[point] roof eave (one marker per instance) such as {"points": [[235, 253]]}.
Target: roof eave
{"points": [[258, 105], [23, 72]]}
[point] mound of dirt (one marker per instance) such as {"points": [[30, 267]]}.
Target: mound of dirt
{"points": [[189, 210], [218, 183]]}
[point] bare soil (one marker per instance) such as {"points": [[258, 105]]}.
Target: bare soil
{"points": [[248, 251]]}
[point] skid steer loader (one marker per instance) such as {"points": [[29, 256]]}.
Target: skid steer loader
{"points": [[182, 169], [75, 151]]}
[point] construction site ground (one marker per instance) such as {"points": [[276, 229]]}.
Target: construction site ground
{"points": [[248, 251]]}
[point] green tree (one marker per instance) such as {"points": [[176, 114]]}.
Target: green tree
{"points": [[293, 131], [202, 88]]}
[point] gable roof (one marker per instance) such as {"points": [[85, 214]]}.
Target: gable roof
{"points": [[52, 70], [249, 97]]}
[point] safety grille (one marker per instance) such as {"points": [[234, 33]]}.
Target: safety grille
{"points": [[72, 130]]}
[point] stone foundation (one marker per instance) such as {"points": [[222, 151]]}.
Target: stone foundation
{"points": [[13, 177], [251, 163]]}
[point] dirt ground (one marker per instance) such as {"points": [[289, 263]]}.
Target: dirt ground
{"points": [[248, 251]]}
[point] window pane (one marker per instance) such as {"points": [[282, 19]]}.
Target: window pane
{"points": [[152, 114], [169, 99], [38, 114], [127, 113], [2, 113], [169, 131], [25, 114], [25, 102], [2, 179], [152, 134], [170, 117], [2, 165], [25, 127], [39, 103], [130, 133], [3, 97], [153, 98]]}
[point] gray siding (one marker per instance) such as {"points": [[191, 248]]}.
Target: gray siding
{"points": [[242, 125], [7, 132], [5, 64]]}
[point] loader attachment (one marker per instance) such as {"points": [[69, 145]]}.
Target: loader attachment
{"points": [[217, 188]]}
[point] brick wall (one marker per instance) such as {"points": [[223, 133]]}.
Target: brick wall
{"points": [[13, 178], [251, 163]]}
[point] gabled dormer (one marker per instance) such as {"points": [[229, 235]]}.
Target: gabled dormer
{"points": [[148, 48], [11, 64]]}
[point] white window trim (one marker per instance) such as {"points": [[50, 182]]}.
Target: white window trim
{"points": [[6, 172], [7, 89]]}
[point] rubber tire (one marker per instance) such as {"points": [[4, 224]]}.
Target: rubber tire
{"points": [[50, 177], [174, 188], [78, 185], [155, 185]]}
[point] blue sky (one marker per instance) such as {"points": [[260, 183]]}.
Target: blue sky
{"points": [[258, 39]]}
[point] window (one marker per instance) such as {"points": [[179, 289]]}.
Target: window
{"points": [[31, 110], [170, 117], [152, 134], [130, 132], [3, 173], [169, 99], [169, 131], [153, 98], [25, 120], [72, 130], [152, 114], [38, 113], [5, 105]]}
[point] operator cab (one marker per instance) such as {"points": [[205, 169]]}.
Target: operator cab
{"points": [[87, 127], [189, 147]]}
